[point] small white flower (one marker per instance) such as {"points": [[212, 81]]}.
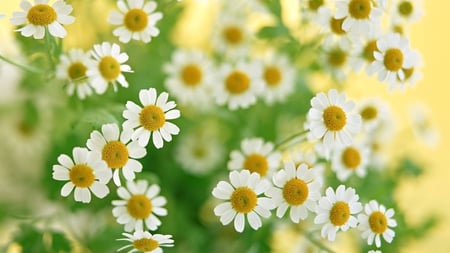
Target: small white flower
{"points": [[86, 173], [335, 58], [139, 205], [364, 47], [143, 241], [117, 150], [330, 118], [406, 11], [40, 16], [151, 120], [422, 124], [242, 200], [231, 35], [412, 74], [298, 190], [108, 67], [375, 222], [336, 211], [332, 29], [310, 9], [359, 15], [349, 160], [136, 19], [256, 156], [374, 112]]}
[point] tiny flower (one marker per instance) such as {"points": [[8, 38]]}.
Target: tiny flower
{"points": [[256, 156], [364, 48], [332, 28], [242, 200], [108, 67], [143, 241], [298, 190], [117, 150], [335, 58], [358, 15], [336, 211], [349, 160], [137, 20], [139, 205], [151, 120], [412, 73], [374, 112], [406, 11], [86, 173], [376, 222], [310, 8], [331, 118], [231, 35], [41, 16]]}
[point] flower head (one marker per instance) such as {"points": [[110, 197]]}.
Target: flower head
{"points": [[376, 222], [349, 160], [358, 15], [144, 241]]}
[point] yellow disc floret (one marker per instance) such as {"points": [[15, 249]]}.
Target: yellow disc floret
{"points": [[243, 200], [41, 14], [152, 117], [369, 49], [337, 57], [273, 76], [351, 158], [256, 163], [336, 26], [405, 8], [334, 118], [393, 59], [139, 206], [369, 113], [191, 75], [135, 20], [378, 222], [82, 175], [295, 191], [237, 82], [233, 35], [339, 213], [145, 244], [109, 68], [315, 4], [115, 154], [359, 9], [76, 71]]}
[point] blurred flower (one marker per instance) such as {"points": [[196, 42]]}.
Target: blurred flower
{"points": [[335, 59], [374, 112], [332, 28], [406, 11], [139, 205], [412, 73], [422, 124], [310, 8], [377, 222], [40, 16], [137, 20], [143, 241], [151, 119], [349, 160], [359, 15], [86, 173], [364, 47]]}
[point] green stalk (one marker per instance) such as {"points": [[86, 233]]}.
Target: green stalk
{"points": [[23, 67]]}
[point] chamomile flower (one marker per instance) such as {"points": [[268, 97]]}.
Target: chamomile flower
{"points": [[406, 11], [239, 85], [231, 35], [256, 156], [72, 68], [335, 58], [108, 67], [86, 173], [143, 241], [118, 151], [139, 206], [374, 112], [243, 199], [332, 120], [377, 222], [422, 124], [190, 74], [359, 15], [41, 16], [297, 189], [412, 74], [332, 28], [151, 120], [392, 57], [310, 8], [364, 47], [136, 19], [349, 160], [336, 211]]}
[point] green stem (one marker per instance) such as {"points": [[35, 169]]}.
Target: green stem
{"points": [[318, 243], [50, 44], [23, 67], [288, 140]]}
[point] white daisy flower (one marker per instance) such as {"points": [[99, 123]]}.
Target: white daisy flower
{"points": [[297, 189], [86, 173], [118, 151], [393, 57], [332, 28], [364, 46], [336, 211], [359, 15], [331, 119], [335, 58], [412, 74], [190, 75], [40, 16], [136, 19], [73, 67], [231, 35], [239, 85], [256, 156], [151, 120], [242, 199], [422, 124], [139, 205], [143, 241], [374, 112], [108, 67], [349, 160], [310, 9], [310, 159], [375, 222], [406, 11]]}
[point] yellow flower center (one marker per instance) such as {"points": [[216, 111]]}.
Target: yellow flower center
{"points": [[145, 244], [337, 57], [243, 200], [295, 191], [41, 14], [369, 113], [408, 73], [315, 4], [393, 59], [233, 35], [199, 152], [378, 222], [115, 154], [336, 26], [351, 158], [191, 75], [152, 117], [405, 8], [256, 163], [334, 118], [237, 82], [82, 175], [369, 49], [397, 29], [135, 20], [359, 9], [272, 75], [139, 206], [339, 213], [109, 68], [76, 71]]}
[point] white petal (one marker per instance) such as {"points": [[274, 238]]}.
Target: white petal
{"points": [[67, 189], [100, 190], [239, 222], [254, 220]]}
